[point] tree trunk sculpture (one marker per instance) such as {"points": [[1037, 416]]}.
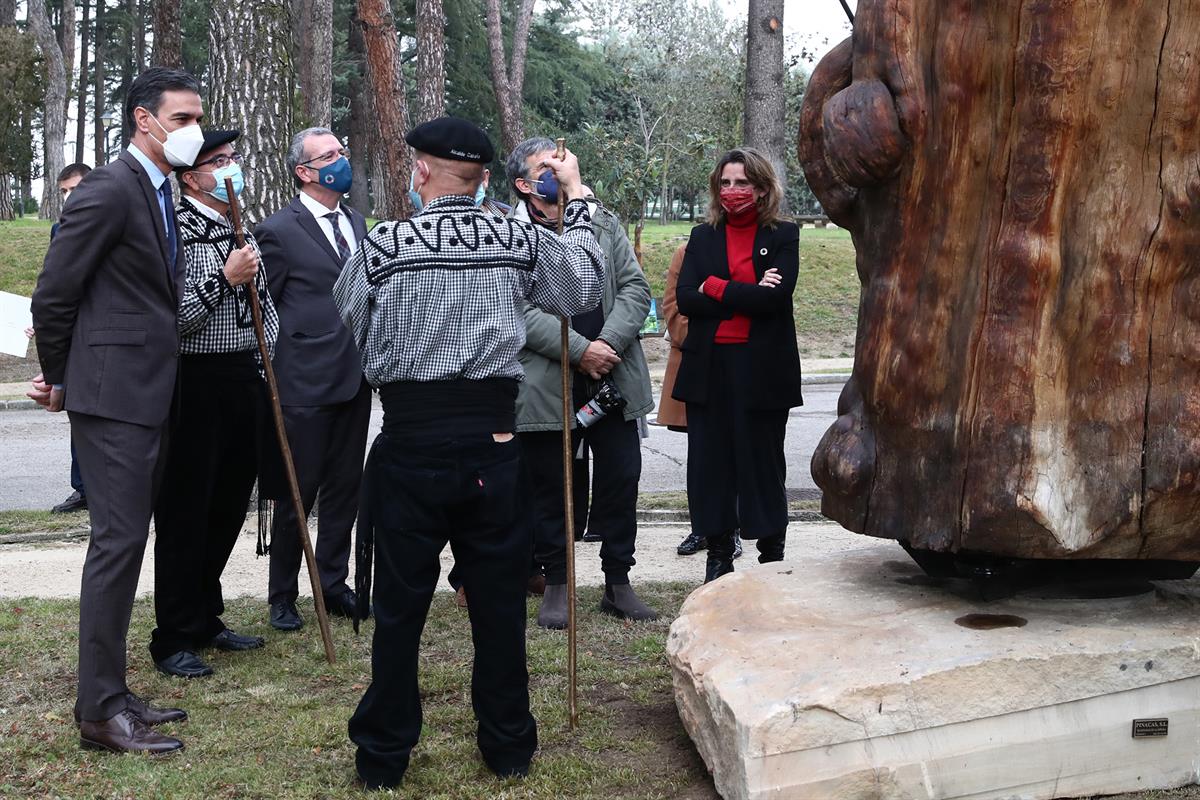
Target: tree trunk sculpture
{"points": [[1022, 182]]}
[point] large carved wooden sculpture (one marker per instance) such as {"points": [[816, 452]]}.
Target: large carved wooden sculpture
{"points": [[1022, 182]]}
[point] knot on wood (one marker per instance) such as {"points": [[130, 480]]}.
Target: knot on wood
{"points": [[863, 139]]}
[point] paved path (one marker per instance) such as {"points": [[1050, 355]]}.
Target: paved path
{"points": [[35, 455]]}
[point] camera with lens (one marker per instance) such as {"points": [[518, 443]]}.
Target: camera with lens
{"points": [[607, 398]]}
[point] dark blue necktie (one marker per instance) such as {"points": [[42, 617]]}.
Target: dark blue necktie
{"points": [[169, 219], [334, 218]]}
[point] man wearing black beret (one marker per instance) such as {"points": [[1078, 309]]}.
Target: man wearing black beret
{"points": [[211, 462], [435, 304]]}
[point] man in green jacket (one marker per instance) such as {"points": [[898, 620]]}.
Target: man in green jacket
{"points": [[611, 390]]}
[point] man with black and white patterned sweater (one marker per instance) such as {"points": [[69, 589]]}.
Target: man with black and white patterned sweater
{"points": [[436, 304], [211, 463]]}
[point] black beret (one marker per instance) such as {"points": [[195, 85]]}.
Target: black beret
{"points": [[452, 138], [212, 140]]}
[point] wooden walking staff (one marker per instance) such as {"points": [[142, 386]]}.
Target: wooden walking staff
{"points": [[285, 450], [568, 483]]}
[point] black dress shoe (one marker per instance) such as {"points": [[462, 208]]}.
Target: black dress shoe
{"points": [[342, 605], [228, 640], [184, 664], [737, 545], [285, 617], [126, 733], [693, 544], [716, 567], [74, 502], [152, 715], [592, 537]]}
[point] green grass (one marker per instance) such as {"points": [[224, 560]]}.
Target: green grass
{"points": [[41, 521], [23, 244], [272, 723]]}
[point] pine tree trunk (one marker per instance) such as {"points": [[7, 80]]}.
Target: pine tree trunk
{"points": [[390, 107], [66, 43], [128, 61], [168, 36], [765, 103], [85, 34], [8, 18], [137, 10], [1025, 206], [250, 89], [508, 79], [360, 123], [98, 94], [431, 60], [315, 65], [54, 117]]}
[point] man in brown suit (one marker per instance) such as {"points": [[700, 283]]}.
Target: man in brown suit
{"points": [[105, 310]]}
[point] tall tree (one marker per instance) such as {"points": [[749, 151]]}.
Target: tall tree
{"points": [[508, 79], [314, 66], [54, 117], [99, 95], [168, 36], [81, 94], [66, 44], [254, 94], [431, 60], [766, 103], [391, 106], [22, 76], [360, 122]]}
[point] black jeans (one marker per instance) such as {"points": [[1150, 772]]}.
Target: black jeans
{"points": [[736, 467], [202, 505], [612, 515], [423, 489]]}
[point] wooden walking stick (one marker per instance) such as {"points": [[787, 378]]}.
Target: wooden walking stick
{"points": [[285, 450], [568, 484]]}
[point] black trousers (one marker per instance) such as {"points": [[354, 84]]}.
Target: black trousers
{"points": [[736, 468], [612, 514], [328, 443], [201, 507], [422, 490], [122, 466]]}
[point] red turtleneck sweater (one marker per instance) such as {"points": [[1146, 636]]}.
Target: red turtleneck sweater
{"points": [[739, 251]]}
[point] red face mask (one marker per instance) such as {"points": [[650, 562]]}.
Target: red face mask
{"points": [[737, 201]]}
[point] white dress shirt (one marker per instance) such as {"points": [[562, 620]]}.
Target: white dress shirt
{"points": [[319, 211]]}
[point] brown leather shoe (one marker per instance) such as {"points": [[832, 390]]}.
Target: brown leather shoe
{"points": [[126, 733], [152, 715]]}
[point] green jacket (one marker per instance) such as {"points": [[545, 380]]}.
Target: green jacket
{"points": [[626, 303]]}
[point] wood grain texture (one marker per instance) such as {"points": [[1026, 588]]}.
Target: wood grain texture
{"points": [[1022, 182]]}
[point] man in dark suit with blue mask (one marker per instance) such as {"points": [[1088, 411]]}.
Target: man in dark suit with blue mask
{"points": [[107, 320], [326, 401]]}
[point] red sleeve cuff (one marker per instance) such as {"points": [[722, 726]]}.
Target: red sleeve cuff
{"points": [[714, 287]]}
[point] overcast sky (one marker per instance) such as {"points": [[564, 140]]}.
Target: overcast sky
{"points": [[818, 25]]}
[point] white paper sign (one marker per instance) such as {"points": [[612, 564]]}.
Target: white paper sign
{"points": [[15, 317]]}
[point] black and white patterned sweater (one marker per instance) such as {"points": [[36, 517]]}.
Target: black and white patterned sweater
{"points": [[440, 296], [214, 317]]}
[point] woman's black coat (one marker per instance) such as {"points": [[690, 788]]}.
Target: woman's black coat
{"points": [[774, 358]]}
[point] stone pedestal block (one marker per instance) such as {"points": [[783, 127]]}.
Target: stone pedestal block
{"points": [[855, 676]]}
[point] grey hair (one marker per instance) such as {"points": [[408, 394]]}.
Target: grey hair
{"points": [[515, 166], [295, 154]]}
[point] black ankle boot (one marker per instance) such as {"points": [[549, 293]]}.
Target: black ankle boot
{"points": [[716, 566]]}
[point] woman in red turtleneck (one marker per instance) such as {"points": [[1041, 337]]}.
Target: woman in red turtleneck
{"points": [[740, 371]]}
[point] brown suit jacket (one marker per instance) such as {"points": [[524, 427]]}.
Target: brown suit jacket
{"points": [[106, 304]]}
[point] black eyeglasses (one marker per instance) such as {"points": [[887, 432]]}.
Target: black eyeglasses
{"points": [[343, 152], [222, 161]]}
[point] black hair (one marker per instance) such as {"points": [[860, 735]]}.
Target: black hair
{"points": [[147, 90], [71, 170]]}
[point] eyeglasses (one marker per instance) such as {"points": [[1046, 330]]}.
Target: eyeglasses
{"points": [[222, 161], [343, 152]]}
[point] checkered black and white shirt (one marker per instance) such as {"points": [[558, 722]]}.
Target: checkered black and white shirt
{"points": [[214, 317], [440, 296]]}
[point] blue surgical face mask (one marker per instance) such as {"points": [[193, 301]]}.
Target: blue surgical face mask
{"points": [[480, 195], [234, 173], [546, 186], [413, 194], [336, 176]]}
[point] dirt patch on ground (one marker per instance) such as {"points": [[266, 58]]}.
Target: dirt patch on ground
{"points": [[18, 370]]}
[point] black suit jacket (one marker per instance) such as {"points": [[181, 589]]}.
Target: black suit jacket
{"points": [[774, 358], [316, 360], [106, 304]]}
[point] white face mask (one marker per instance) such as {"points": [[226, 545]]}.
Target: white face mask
{"points": [[182, 144]]}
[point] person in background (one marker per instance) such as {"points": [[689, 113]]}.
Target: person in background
{"points": [[326, 401], [68, 179], [672, 413], [606, 360], [740, 369], [211, 464]]}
